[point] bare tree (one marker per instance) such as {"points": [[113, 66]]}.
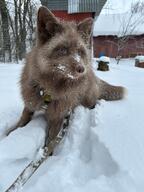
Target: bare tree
{"points": [[129, 26], [20, 25], [17, 26], [6, 43]]}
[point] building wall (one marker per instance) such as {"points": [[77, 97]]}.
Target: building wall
{"points": [[107, 45], [71, 17], [83, 6], [57, 4], [76, 6]]}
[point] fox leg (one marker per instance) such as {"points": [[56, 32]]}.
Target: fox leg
{"points": [[54, 126], [89, 101], [25, 118]]}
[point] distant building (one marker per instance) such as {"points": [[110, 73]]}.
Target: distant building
{"points": [[75, 9], [108, 29]]}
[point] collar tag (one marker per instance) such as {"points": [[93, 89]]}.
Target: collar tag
{"points": [[47, 98], [41, 92]]}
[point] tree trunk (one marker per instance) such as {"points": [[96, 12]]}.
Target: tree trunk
{"points": [[6, 45]]}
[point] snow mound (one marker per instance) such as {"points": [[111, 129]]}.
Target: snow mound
{"points": [[104, 59], [140, 58], [24, 142]]}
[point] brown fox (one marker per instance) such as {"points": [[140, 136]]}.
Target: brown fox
{"points": [[58, 75]]}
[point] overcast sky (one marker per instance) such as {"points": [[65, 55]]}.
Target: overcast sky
{"points": [[117, 6]]}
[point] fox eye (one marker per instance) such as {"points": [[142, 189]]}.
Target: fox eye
{"points": [[62, 51], [81, 52]]}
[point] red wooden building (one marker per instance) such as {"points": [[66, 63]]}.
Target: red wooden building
{"points": [[108, 46], [75, 9], [109, 31]]}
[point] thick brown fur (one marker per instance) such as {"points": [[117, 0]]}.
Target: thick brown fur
{"points": [[60, 65]]}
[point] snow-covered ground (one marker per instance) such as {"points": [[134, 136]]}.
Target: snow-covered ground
{"points": [[103, 150]]}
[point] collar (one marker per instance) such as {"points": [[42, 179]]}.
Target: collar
{"points": [[47, 97]]}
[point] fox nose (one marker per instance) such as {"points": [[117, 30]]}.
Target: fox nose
{"points": [[80, 69]]}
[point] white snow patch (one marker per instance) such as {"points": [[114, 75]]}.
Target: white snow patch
{"points": [[140, 58], [23, 142], [104, 59], [40, 154], [61, 67], [70, 76], [114, 24], [77, 57]]}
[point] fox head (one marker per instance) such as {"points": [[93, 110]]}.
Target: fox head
{"points": [[63, 47]]}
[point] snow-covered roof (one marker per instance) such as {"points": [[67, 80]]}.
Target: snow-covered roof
{"points": [[113, 24]]}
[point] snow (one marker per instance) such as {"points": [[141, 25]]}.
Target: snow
{"points": [[77, 57], [40, 154], [103, 149], [104, 59], [140, 58], [61, 67], [115, 24], [70, 76], [117, 6]]}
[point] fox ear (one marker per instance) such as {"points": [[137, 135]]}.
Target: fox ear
{"points": [[47, 25], [85, 29]]}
